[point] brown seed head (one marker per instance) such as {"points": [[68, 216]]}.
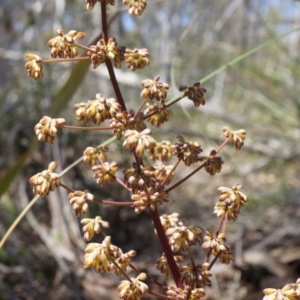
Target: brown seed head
{"points": [[187, 151], [237, 137], [133, 289], [194, 93], [198, 276]]}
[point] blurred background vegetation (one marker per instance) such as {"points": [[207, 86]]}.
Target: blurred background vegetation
{"points": [[187, 40]]}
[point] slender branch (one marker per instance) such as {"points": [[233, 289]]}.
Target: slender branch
{"points": [[184, 179], [172, 171], [84, 128], [18, 219], [50, 61]]}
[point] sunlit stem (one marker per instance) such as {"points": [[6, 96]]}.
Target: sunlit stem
{"points": [[18, 219], [171, 172], [184, 179], [50, 61], [84, 128]]}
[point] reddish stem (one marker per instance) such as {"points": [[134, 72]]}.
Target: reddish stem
{"points": [[166, 247]]}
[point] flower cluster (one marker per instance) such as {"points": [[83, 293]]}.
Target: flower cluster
{"points": [[91, 3], [78, 200], [139, 141], [148, 199], [136, 7], [46, 129], [236, 137], [196, 275], [182, 237], [34, 66], [97, 110], [188, 152], [134, 288], [290, 291], [92, 227], [46, 181], [186, 293], [93, 155], [194, 93], [153, 89], [105, 173], [127, 120], [63, 45], [230, 202]]}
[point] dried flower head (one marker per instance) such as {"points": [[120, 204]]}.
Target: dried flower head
{"points": [[194, 93], [233, 196], [92, 227], [101, 51], [185, 294], [223, 209], [138, 178], [91, 3], [136, 7], [158, 114], [237, 137], [123, 262], [163, 151], [163, 265], [45, 182], [63, 45], [97, 110], [92, 155], [286, 293], [46, 129], [168, 221], [139, 141], [163, 174], [136, 58], [182, 237], [148, 199], [198, 276], [78, 200], [133, 289], [213, 164], [230, 202], [105, 173], [217, 244], [187, 151], [153, 89], [34, 66], [127, 120], [224, 256], [98, 256]]}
